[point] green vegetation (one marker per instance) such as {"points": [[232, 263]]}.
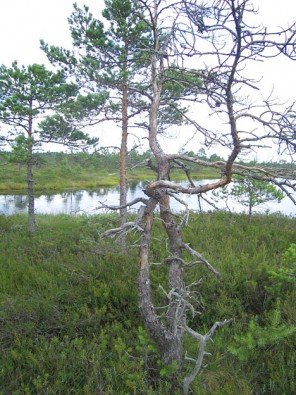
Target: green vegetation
{"points": [[57, 171], [251, 192], [69, 321]]}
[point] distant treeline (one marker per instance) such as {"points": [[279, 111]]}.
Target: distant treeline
{"points": [[81, 170], [109, 158]]}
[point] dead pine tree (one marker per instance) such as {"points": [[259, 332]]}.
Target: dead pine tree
{"points": [[199, 57]]}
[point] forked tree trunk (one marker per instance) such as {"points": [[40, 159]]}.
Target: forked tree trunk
{"points": [[174, 315], [167, 335]]}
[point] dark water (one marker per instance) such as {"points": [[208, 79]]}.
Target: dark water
{"points": [[78, 202]]}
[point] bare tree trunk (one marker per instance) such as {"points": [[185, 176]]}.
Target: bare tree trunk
{"points": [[168, 340], [123, 154], [222, 82], [31, 198], [146, 306], [176, 282], [250, 211], [169, 334], [30, 181], [123, 149]]}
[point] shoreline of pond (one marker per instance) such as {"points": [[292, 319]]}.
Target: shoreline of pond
{"points": [[79, 201], [46, 190]]}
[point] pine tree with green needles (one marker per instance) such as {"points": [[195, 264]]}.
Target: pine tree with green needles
{"points": [[27, 95]]}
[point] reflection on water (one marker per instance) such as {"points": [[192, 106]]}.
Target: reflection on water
{"points": [[77, 202]]}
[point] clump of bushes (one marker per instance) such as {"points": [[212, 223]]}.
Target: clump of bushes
{"points": [[69, 321]]}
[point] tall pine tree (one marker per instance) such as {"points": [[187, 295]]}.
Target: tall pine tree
{"points": [[27, 93], [113, 58]]}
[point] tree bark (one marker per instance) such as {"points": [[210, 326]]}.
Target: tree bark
{"points": [[168, 341], [30, 179], [31, 197], [123, 154], [123, 147], [168, 334]]}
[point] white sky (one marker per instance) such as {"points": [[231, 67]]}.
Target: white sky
{"points": [[24, 22]]}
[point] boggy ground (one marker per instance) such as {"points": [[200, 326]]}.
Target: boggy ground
{"points": [[60, 171], [69, 321]]}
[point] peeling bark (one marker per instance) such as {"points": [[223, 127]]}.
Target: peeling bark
{"points": [[221, 88]]}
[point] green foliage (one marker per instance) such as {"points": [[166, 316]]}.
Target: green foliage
{"points": [[246, 347], [112, 55], [80, 170], [69, 319], [26, 95], [289, 257], [58, 128], [283, 276], [251, 192], [117, 55], [20, 150], [257, 191], [167, 371], [87, 106], [30, 91], [179, 83]]}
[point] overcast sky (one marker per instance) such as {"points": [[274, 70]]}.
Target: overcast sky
{"points": [[24, 22]]}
